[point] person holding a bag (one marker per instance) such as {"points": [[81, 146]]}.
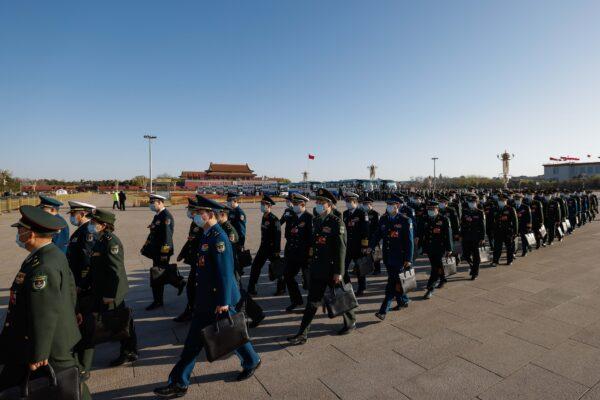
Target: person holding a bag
{"points": [[357, 229], [396, 231], [270, 246], [552, 216], [506, 228], [298, 234], [437, 243], [373, 216], [537, 217], [109, 279], [189, 255], [40, 328], [525, 222], [473, 234], [327, 256], [79, 255], [159, 248], [217, 293], [247, 303]]}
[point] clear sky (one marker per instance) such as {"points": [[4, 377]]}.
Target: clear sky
{"points": [[267, 82]]}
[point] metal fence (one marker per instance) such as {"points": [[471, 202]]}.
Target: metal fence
{"points": [[9, 204]]}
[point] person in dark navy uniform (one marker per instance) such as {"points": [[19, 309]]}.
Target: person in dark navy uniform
{"points": [[217, 292], [525, 221], [473, 234], [79, 255], [298, 235], [552, 216], [396, 231], [40, 327], [52, 206], [357, 231], [159, 248], [270, 245], [237, 217], [246, 304], [506, 228], [189, 255], [437, 243], [328, 253], [537, 216], [373, 215]]}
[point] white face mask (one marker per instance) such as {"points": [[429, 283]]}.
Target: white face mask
{"points": [[320, 209], [390, 209], [198, 220], [19, 242], [529, 197], [298, 209], [442, 206], [518, 203], [263, 208], [350, 205], [501, 204], [152, 207], [432, 213], [92, 228], [472, 205]]}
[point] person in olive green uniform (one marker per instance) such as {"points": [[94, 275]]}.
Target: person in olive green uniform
{"points": [[40, 327], [327, 266], [79, 254], [109, 279], [189, 255]]}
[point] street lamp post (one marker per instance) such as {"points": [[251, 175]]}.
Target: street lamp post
{"points": [[434, 177], [150, 138]]}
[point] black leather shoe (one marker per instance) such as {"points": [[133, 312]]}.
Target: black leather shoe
{"points": [[292, 307], [297, 340], [473, 277], [171, 391], [247, 373], [256, 321], [346, 330], [154, 306], [181, 287], [380, 316], [441, 284], [184, 317], [124, 358], [428, 295]]}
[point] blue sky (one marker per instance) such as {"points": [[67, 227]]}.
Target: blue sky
{"points": [[267, 82]]}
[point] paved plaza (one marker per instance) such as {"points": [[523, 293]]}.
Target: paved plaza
{"points": [[528, 331]]}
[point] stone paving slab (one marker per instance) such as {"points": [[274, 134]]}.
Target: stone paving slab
{"points": [[528, 331]]}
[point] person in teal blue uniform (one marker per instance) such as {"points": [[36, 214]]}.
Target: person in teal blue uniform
{"points": [[396, 231], [52, 206], [217, 292]]}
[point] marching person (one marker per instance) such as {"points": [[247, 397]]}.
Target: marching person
{"points": [[246, 304], [537, 217], [373, 216], [189, 255], [52, 206], [237, 217], [437, 243], [473, 234], [216, 293], [506, 228], [328, 253], [396, 231], [357, 231], [159, 248], [552, 216], [298, 235], [40, 328], [122, 198], [109, 283], [525, 222], [79, 255], [270, 246]]}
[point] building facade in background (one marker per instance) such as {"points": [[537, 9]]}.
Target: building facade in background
{"points": [[569, 170]]}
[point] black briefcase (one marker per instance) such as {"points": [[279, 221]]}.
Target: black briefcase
{"points": [[276, 269], [449, 264], [408, 280], [108, 326], [63, 385], [225, 336], [162, 275], [340, 300], [245, 258]]}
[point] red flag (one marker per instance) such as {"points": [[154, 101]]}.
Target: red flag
{"points": [[554, 159], [311, 157], [589, 155]]}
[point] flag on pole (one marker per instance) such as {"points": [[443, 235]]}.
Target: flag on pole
{"points": [[554, 159], [311, 156]]}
